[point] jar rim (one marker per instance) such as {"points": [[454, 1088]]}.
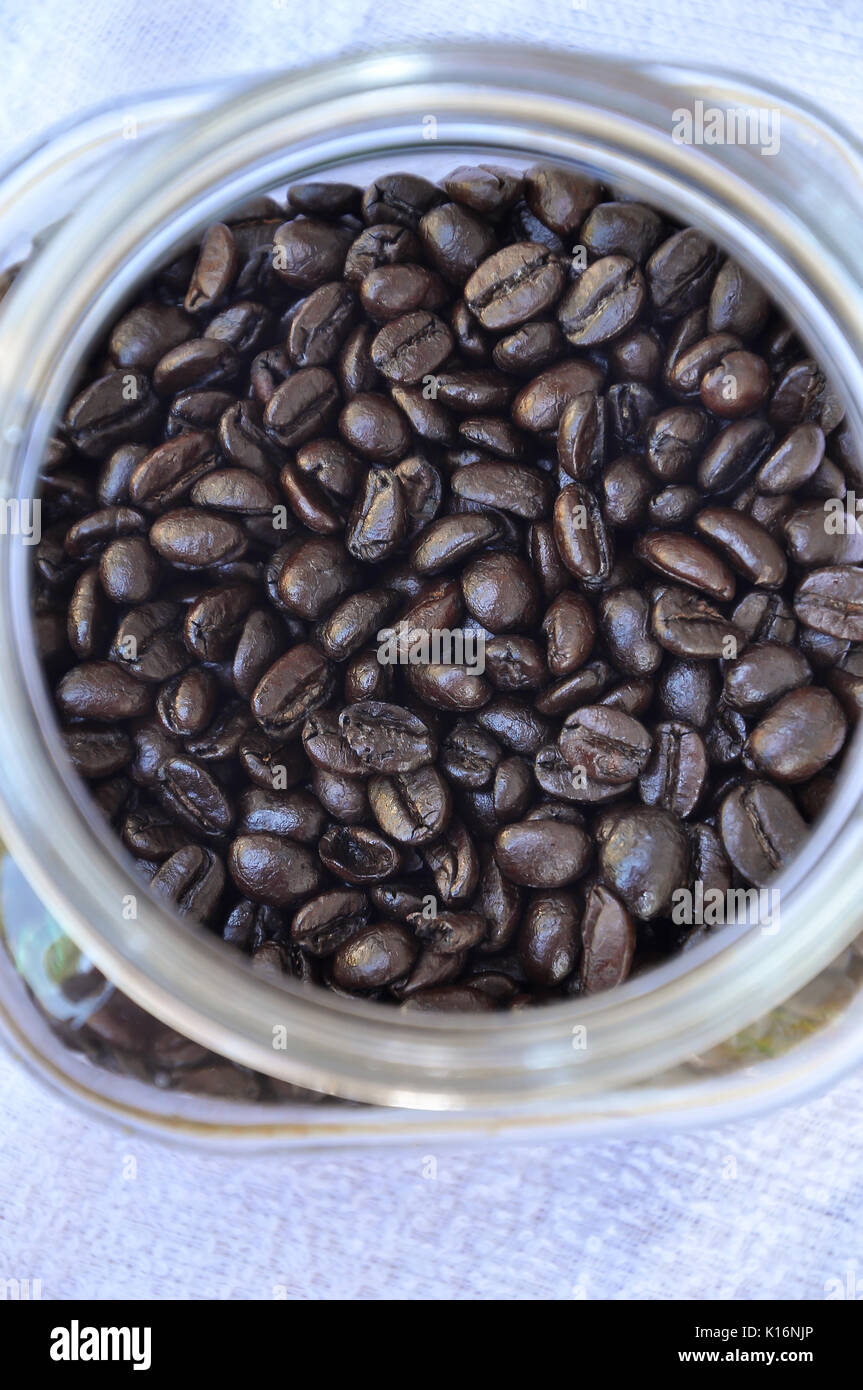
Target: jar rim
{"points": [[521, 101]]}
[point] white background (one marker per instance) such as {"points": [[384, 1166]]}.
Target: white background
{"points": [[614, 1220]]}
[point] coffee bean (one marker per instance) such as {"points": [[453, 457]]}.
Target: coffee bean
{"points": [[514, 285], [270, 869], [676, 775], [102, 690], [761, 830], [581, 534], [411, 807], [193, 880], [748, 547], [511, 487], [609, 744], [608, 941], [542, 854], [830, 600], [549, 942], [603, 302], [799, 735], [358, 855], [686, 560], [500, 591], [387, 738], [686, 625], [294, 686], [643, 856]]}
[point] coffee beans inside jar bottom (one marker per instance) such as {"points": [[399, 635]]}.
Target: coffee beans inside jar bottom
{"points": [[441, 586]]}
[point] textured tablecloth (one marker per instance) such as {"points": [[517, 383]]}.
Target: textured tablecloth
{"points": [[613, 1220]]}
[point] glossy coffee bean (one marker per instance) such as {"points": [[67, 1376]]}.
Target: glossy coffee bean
{"points": [[542, 854], [643, 856], [761, 830]]}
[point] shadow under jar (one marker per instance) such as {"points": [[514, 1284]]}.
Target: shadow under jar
{"points": [[513, 398]]}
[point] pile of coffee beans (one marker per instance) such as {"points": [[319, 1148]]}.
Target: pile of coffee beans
{"points": [[439, 579]]}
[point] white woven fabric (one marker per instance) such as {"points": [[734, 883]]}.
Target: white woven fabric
{"points": [[615, 1220]]}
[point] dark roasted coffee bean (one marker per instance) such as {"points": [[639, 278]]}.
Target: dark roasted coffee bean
{"points": [[500, 591], [529, 348], [830, 600], [401, 198], [603, 302], [514, 285], [143, 335], [686, 561], [115, 409], [580, 434], [581, 534], [193, 797], [308, 252], [359, 855], [688, 691], [625, 492], [316, 577], [679, 274], [570, 631], [761, 830], [540, 404], [686, 625], [609, 745], [608, 941], [454, 863], [294, 686], [373, 426], [192, 880], [674, 440], [411, 347], [738, 304], [813, 541], [749, 549], [643, 856], [799, 735], [379, 519], [560, 198], [624, 620], [302, 407], [803, 394], [621, 229], [411, 807], [676, 775], [197, 538], [185, 704], [97, 752], [387, 738], [270, 869], [195, 365], [733, 454], [509, 487], [295, 815], [549, 941], [542, 853], [764, 672], [102, 690], [325, 922]]}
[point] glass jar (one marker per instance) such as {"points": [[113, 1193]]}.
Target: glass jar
{"points": [[132, 187]]}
